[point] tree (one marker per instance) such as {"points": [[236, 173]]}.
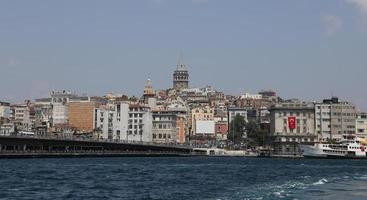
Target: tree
{"points": [[236, 129], [257, 136]]}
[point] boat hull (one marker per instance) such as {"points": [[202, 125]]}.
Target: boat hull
{"points": [[309, 151]]}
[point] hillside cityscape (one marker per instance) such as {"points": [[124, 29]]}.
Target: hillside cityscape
{"points": [[199, 117]]}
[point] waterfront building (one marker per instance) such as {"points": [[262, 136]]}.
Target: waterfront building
{"points": [[201, 114], [181, 128], [165, 128], [132, 122], [4, 110], [334, 118], [180, 76], [361, 125], [81, 116], [43, 115], [205, 128], [292, 123], [221, 125], [7, 129], [181, 110], [60, 109], [221, 129], [103, 122], [23, 116], [60, 114]]}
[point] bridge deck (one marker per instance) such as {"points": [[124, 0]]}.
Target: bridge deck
{"points": [[16, 146]]}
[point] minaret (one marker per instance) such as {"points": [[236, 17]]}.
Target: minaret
{"points": [[148, 91], [180, 75]]}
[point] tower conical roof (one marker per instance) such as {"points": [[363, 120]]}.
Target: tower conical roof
{"points": [[180, 64]]}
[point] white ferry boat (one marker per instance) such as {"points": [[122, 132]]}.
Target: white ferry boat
{"points": [[349, 147]]}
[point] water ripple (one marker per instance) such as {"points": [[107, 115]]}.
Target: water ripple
{"points": [[182, 178]]}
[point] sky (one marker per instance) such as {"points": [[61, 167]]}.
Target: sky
{"points": [[302, 49]]}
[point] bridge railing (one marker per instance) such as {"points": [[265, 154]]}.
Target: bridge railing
{"points": [[89, 139]]}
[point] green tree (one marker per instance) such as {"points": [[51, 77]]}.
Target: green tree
{"points": [[236, 129], [252, 128], [256, 135]]}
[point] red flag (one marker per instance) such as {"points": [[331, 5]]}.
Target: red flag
{"points": [[292, 122]]}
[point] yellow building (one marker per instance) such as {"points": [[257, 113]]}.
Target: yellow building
{"points": [[201, 114]]}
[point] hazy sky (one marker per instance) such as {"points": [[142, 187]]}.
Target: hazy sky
{"points": [[301, 48]]}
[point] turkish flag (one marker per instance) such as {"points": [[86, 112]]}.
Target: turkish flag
{"points": [[292, 124]]}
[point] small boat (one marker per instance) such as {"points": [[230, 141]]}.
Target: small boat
{"points": [[349, 147]]}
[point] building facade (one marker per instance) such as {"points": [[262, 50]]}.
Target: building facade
{"points": [[334, 118], [165, 128], [43, 115], [132, 122], [81, 116], [23, 116], [103, 123], [234, 111], [361, 125], [181, 128], [4, 110], [60, 114], [201, 114], [292, 123]]}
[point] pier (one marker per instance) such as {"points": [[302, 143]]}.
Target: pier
{"points": [[33, 147]]}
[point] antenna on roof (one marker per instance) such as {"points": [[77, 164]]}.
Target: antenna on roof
{"points": [[180, 62]]}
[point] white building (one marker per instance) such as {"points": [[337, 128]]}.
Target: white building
{"points": [[60, 113], [205, 127], [323, 120], [205, 113], [361, 125], [251, 96], [165, 128], [22, 116], [333, 118], [103, 123], [4, 110], [43, 113], [132, 122], [7, 129]]}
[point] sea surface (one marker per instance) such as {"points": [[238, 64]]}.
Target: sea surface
{"points": [[182, 178]]}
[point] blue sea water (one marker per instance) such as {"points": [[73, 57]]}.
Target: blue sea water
{"points": [[182, 178]]}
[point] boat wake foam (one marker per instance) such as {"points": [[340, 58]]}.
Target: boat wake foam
{"points": [[320, 182]]}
